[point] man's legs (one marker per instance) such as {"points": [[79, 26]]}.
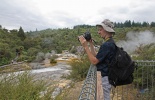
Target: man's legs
{"points": [[106, 88]]}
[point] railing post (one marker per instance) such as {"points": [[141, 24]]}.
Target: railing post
{"points": [[99, 94]]}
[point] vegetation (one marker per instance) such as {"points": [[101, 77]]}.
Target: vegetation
{"points": [[53, 39], [79, 69], [14, 68], [22, 87], [145, 52], [53, 61], [71, 93]]}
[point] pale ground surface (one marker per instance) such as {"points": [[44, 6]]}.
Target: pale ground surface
{"points": [[55, 78], [53, 74]]}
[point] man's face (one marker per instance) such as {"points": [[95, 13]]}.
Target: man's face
{"points": [[101, 31]]}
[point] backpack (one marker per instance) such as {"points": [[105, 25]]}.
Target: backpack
{"points": [[121, 68]]}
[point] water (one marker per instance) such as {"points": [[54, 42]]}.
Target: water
{"points": [[45, 70], [48, 72]]}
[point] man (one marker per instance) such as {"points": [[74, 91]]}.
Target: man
{"points": [[104, 55]]}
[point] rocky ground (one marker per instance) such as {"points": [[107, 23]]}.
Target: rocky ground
{"points": [[54, 75]]}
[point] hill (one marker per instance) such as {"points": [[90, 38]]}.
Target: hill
{"points": [[31, 43]]}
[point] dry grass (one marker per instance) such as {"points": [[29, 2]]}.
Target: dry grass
{"points": [[126, 92], [71, 93], [21, 87], [15, 67]]}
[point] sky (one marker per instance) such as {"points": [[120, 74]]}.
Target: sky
{"points": [[43, 14]]}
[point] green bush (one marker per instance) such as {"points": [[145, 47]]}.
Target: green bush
{"points": [[4, 61], [79, 69]]}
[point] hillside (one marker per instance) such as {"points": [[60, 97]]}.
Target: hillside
{"points": [[30, 44]]}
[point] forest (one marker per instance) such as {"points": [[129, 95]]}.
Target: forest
{"points": [[29, 44]]}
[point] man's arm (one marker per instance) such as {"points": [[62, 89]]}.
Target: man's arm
{"points": [[91, 57], [93, 51]]}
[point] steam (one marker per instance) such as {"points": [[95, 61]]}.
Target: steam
{"points": [[135, 39]]}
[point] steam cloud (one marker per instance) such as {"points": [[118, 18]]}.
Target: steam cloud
{"points": [[135, 39]]}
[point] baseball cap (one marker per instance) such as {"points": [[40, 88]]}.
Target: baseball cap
{"points": [[107, 25]]}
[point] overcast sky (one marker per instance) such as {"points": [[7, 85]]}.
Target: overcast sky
{"points": [[43, 14]]}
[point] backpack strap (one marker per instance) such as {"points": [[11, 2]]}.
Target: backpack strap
{"points": [[111, 41]]}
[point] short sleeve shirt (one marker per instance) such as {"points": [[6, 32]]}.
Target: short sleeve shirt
{"points": [[105, 55]]}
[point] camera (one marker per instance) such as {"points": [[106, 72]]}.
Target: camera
{"points": [[87, 36]]}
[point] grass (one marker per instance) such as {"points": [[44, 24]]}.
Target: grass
{"points": [[79, 69], [14, 68], [78, 74], [22, 87], [71, 93]]}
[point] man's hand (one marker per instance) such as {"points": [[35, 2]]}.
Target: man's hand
{"points": [[82, 41], [91, 55]]}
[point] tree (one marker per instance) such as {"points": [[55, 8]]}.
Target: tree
{"points": [[127, 23], [14, 31], [138, 24], [145, 24], [5, 30], [152, 24], [21, 34], [133, 24]]}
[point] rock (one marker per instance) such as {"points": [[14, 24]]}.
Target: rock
{"points": [[56, 92]]}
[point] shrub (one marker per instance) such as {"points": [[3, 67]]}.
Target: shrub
{"points": [[20, 87], [79, 69], [53, 61], [40, 57], [4, 61]]}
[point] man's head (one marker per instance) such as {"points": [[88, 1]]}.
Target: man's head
{"points": [[105, 28]]}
